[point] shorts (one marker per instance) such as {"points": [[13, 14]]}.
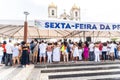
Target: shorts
{"points": [[42, 55]]}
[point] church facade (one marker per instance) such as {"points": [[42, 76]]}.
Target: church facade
{"points": [[73, 15]]}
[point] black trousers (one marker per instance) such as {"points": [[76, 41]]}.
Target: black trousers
{"points": [[104, 56], [8, 59], [91, 56], [3, 58]]}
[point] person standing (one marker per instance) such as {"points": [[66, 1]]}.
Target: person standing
{"points": [[75, 52], [91, 52], [104, 51], [97, 52], [4, 52], [115, 50], [35, 51], [100, 48], [64, 50], [32, 45], [112, 47], [108, 50], [80, 51], [118, 48], [16, 54], [1, 53], [42, 48], [49, 52], [9, 52], [86, 51], [24, 60], [71, 51], [56, 53]]}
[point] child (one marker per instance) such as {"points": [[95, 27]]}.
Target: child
{"points": [[1, 53]]}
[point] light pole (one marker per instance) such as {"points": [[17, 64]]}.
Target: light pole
{"points": [[25, 26]]}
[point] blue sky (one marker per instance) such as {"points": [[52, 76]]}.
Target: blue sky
{"points": [[91, 10]]}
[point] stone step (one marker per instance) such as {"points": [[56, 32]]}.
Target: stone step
{"points": [[83, 71], [102, 77], [70, 64], [79, 69], [118, 78], [83, 75]]}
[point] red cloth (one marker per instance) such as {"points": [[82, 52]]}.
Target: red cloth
{"points": [[100, 46], [3, 46]]}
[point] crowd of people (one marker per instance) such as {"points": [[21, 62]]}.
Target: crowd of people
{"points": [[12, 54], [46, 52]]}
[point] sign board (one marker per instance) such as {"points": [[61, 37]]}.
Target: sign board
{"points": [[75, 25]]}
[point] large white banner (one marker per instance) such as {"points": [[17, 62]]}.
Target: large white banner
{"points": [[74, 25]]}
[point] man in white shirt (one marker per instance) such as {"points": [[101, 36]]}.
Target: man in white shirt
{"points": [[9, 47], [42, 48], [91, 52]]}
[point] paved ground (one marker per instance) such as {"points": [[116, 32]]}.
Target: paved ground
{"points": [[15, 73], [109, 70]]}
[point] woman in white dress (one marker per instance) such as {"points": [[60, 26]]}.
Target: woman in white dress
{"points": [[15, 53], [56, 53], [97, 52], [80, 50], [75, 52]]}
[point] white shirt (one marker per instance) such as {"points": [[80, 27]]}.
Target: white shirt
{"points": [[9, 47], [1, 51], [71, 46], [15, 51], [91, 47], [104, 48], [112, 47], [76, 50], [115, 46], [42, 48], [108, 47], [80, 51], [96, 50]]}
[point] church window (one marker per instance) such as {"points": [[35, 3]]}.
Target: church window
{"points": [[76, 14], [53, 12]]}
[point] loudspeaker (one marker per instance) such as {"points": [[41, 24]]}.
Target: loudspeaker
{"points": [[88, 39]]}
